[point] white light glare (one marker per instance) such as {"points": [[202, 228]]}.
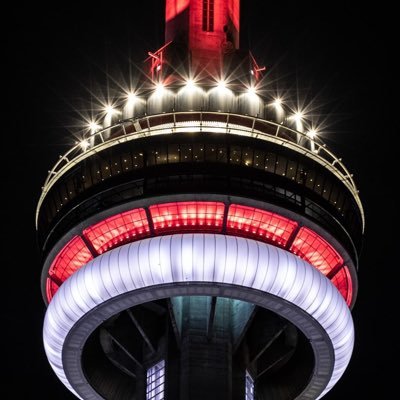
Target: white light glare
{"points": [[159, 89], [298, 116], [93, 126], [190, 85], [277, 102], [84, 144], [221, 85], [252, 91], [131, 98], [312, 133], [110, 110]]}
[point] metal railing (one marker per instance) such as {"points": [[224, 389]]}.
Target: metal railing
{"points": [[201, 121]]}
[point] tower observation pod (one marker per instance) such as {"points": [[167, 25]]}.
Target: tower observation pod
{"points": [[200, 242]]}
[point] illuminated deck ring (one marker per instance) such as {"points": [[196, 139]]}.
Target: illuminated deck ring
{"points": [[199, 264], [196, 121]]}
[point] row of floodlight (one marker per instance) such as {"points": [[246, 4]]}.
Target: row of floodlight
{"points": [[109, 110]]}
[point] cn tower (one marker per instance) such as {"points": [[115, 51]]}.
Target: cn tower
{"points": [[201, 241]]}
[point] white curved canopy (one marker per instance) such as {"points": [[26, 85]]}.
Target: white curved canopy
{"points": [[197, 258]]}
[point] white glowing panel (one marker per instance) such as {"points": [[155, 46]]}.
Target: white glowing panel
{"points": [[155, 381], [199, 258], [249, 387]]}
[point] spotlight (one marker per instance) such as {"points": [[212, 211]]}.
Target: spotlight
{"points": [[277, 102], [190, 84], [221, 85], [93, 126], [131, 98], [110, 110], [159, 90], [312, 133], [84, 144], [298, 116], [252, 91]]}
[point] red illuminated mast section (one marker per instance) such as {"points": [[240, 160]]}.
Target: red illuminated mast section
{"points": [[208, 28]]}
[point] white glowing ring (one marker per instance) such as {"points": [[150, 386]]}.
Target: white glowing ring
{"points": [[195, 259]]}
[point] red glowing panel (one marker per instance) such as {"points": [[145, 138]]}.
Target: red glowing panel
{"points": [[51, 289], [174, 8], [342, 280], [259, 224], [118, 229], [188, 216], [315, 250], [73, 256]]}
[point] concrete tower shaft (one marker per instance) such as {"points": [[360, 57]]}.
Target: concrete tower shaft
{"points": [[209, 29]]}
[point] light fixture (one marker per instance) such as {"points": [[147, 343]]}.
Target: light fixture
{"points": [[93, 127], [252, 91], [84, 144], [221, 85], [110, 110], [190, 84], [298, 116], [131, 98], [312, 133], [159, 89], [277, 102]]}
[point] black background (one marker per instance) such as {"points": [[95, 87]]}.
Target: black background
{"points": [[337, 56]]}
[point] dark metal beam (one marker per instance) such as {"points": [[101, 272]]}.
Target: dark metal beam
{"points": [[334, 271], [53, 278], [211, 317], [124, 349], [174, 324], [90, 246], [278, 360], [141, 330], [150, 221], [239, 340], [268, 344], [225, 219], [154, 307], [293, 236]]}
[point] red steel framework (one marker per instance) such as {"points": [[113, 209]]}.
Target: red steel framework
{"points": [[200, 217]]}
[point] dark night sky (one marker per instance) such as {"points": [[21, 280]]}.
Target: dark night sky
{"points": [[338, 53]]}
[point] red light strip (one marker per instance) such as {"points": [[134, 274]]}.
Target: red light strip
{"points": [[73, 256], [259, 224], [51, 289], [315, 250], [342, 280], [199, 217], [118, 229], [188, 216]]}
